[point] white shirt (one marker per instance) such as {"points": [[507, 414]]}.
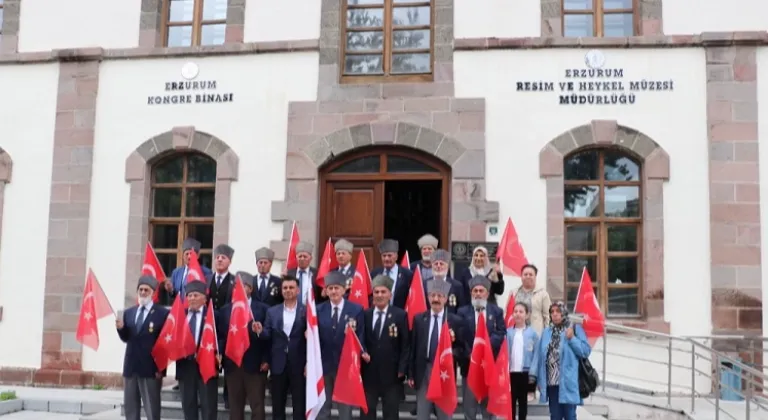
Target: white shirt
{"points": [[432, 325], [345, 269], [304, 283], [263, 279], [340, 306], [220, 277], [393, 275], [146, 312], [516, 364], [376, 316], [289, 317], [199, 323]]}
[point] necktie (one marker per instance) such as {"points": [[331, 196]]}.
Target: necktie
{"points": [[218, 281], [262, 285], [335, 319], [193, 326], [301, 285], [433, 341], [377, 325], [140, 319]]}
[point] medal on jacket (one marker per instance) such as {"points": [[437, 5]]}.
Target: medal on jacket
{"points": [[349, 283], [352, 323], [151, 327], [393, 330], [273, 291], [452, 300]]}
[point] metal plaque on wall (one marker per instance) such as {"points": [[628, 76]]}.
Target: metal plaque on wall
{"points": [[461, 254]]}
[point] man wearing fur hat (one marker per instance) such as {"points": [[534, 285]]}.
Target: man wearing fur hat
{"points": [[139, 328], [387, 345], [333, 318], [480, 287], [427, 245], [389, 248], [221, 281], [441, 260], [249, 380], [196, 395], [266, 286], [427, 328], [306, 274], [175, 285], [344, 250]]}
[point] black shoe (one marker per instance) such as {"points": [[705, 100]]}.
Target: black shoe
{"points": [[176, 387]]}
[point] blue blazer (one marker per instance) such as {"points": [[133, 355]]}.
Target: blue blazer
{"points": [[530, 339], [287, 352], [570, 352], [258, 351], [495, 324], [332, 340], [140, 339], [178, 280]]}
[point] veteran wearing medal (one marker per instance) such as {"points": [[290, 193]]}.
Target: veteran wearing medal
{"points": [[426, 332], [441, 260], [266, 287], [387, 345], [333, 318], [249, 380], [344, 250], [480, 287], [401, 277], [427, 245], [306, 274], [139, 328]]}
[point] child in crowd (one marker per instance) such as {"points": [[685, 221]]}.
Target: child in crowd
{"points": [[522, 341]]}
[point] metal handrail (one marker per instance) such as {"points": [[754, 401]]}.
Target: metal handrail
{"points": [[751, 380]]}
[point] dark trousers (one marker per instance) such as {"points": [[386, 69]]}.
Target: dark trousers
{"points": [[519, 387], [244, 386], [390, 401], [559, 411], [196, 395], [281, 385]]}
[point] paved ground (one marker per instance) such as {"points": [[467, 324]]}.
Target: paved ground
{"points": [[39, 415]]}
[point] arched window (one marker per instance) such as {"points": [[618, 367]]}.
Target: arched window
{"points": [[603, 227], [601, 18], [181, 205], [194, 22]]}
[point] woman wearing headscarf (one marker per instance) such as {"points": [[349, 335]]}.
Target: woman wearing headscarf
{"points": [[556, 363], [481, 266]]}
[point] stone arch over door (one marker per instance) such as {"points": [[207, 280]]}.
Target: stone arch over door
{"points": [[137, 174], [469, 211], [655, 161]]}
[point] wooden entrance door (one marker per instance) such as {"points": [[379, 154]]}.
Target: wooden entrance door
{"points": [[355, 212]]}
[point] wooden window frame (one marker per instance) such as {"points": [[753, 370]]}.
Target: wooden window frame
{"points": [[598, 13], [388, 6], [601, 253], [196, 23], [183, 221]]}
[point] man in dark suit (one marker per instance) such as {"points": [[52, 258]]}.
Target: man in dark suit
{"points": [[249, 380], [388, 248], [441, 260], [285, 328], [139, 327], [425, 335], [196, 394], [387, 352], [344, 250], [427, 245], [333, 318], [306, 274], [480, 287], [265, 285], [220, 285]]}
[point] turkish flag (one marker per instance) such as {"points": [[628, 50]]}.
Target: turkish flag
{"points": [[94, 307], [586, 304], [292, 262], [417, 299], [194, 272], [509, 320], [176, 340], [405, 262], [510, 253], [499, 392], [442, 382], [361, 283], [481, 363], [238, 336], [209, 347], [348, 388], [327, 263], [152, 267]]}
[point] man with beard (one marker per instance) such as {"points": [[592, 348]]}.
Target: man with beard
{"points": [[266, 286], [480, 288], [387, 346], [139, 327], [441, 260], [427, 328], [427, 245], [401, 277]]}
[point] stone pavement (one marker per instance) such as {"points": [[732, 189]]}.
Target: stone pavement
{"points": [[39, 415]]}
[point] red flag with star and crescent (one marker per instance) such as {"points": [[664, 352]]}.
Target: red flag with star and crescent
{"points": [[499, 390], [442, 383], [510, 252], [209, 347], [417, 298], [327, 263], [292, 262], [238, 336], [406, 261], [481, 363], [152, 267], [586, 304], [176, 340], [194, 271], [94, 307], [361, 282], [348, 388]]}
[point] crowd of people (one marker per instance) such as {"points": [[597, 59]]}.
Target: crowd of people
{"points": [[543, 346]]}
